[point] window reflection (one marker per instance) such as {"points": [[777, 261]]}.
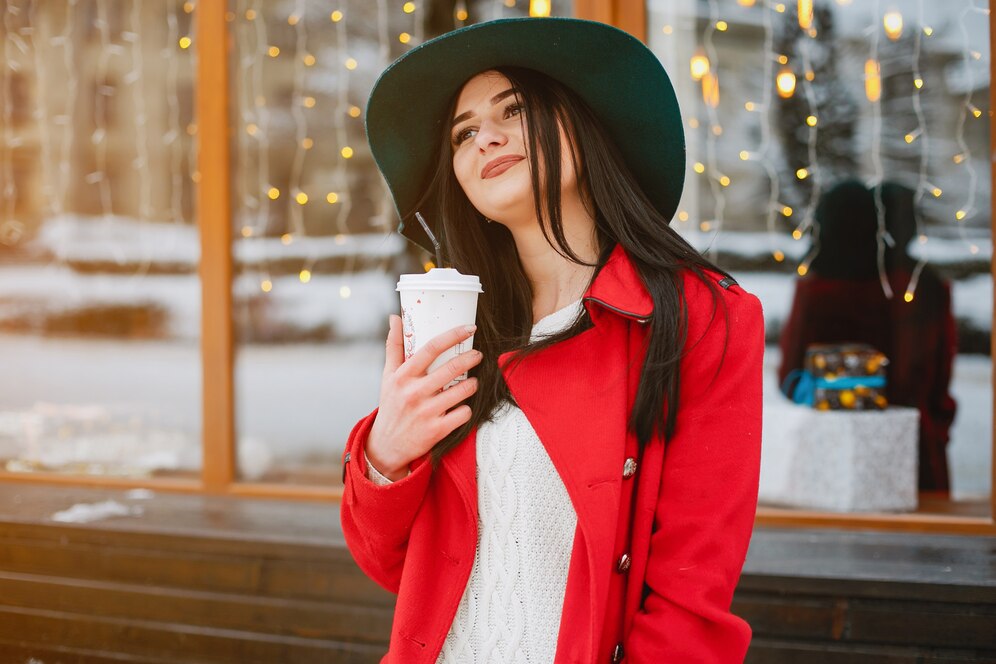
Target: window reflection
{"points": [[99, 295], [316, 260], [794, 105]]}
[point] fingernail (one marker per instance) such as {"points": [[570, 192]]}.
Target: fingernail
{"points": [[471, 329]]}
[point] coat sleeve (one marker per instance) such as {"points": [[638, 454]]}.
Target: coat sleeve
{"points": [[708, 492], [377, 520]]}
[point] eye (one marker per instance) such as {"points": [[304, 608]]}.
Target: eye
{"points": [[464, 134], [514, 109]]}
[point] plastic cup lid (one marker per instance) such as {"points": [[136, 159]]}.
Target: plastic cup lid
{"points": [[441, 278]]}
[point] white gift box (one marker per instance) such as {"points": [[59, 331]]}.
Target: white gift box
{"points": [[839, 461]]}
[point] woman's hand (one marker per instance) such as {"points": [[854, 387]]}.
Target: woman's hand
{"points": [[415, 412]]}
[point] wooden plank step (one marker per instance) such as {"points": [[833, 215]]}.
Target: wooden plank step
{"points": [[769, 651], [179, 643], [331, 576], [303, 618]]}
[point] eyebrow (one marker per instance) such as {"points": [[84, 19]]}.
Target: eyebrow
{"points": [[494, 100]]}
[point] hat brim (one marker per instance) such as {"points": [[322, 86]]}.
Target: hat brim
{"points": [[613, 72]]}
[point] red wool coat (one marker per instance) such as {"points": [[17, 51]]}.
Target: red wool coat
{"points": [[695, 496]]}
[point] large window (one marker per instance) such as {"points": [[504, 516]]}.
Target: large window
{"points": [[783, 101], [99, 252], [197, 255]]}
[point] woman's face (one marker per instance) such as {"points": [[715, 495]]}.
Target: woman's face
{"points": [[489, 150]]}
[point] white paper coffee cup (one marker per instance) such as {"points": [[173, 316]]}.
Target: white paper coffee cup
{"points": [[434, 302]]}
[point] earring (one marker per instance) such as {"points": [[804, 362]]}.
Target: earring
{"points": [[488, 219]]}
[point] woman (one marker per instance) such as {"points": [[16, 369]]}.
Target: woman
{"points": [[588, 494]]}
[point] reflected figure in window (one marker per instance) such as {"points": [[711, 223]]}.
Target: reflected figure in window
{"points": [[842, 300]]}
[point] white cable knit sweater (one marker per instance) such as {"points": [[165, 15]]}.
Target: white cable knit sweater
{"points": [[510, 610]]}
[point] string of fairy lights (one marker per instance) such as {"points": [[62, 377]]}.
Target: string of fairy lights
{"points": [[787, 81]]}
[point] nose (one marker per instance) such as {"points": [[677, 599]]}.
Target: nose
{"points": [[489, 135]]}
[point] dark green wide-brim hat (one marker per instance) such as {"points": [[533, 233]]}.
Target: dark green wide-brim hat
{"points": [[613, 72]]}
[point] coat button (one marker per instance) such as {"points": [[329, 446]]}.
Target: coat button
{"points": [[617, 653], [629, 468], [624, 563]]}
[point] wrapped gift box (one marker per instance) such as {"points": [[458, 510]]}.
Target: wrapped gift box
{"points": [[841, 377], [838, 460]]}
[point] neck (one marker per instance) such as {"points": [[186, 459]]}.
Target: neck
{"points": [[557, 281]]}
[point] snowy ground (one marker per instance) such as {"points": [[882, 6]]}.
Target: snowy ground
{"points": [[134, 407]]}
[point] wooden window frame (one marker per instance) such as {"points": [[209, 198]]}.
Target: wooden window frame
{"points": [[214, 201]]}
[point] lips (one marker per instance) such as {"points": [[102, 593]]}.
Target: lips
{"points": [[499, 165]]}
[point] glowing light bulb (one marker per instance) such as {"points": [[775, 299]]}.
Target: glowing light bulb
{"points": [[185, 42], [332, 198], [918, 83], [787, 211], [782, 59], [354, 111], [301, 198], [188, 7], [960, 214], [705, 226], [346, 152], [336, 16], [667, 29], [958, 158], [724, 181], [266, 286], [539, 7], [461, 14], [699, 66], [908, 296], [404, 38], [744, 155], [785, 82], [286, 239], [927, 30], [811, 120], [250, 15], [308, 102], [699, 167], [780, 8], [936, 191], [750, 106], [246, 231], [722, 26], [873, 80], [746, 3], [683, 216], [273, 193], [408, 7], [802, 269], [304, 276], [309, 60], [802, 173], [893, 23], [810, 75], [717, 130], [710, 91], [350, 63], [307, 143], [797, 234], [805, 14], [273, 51], [251, 129], [344, 292], [779, 256], [293, 19]]}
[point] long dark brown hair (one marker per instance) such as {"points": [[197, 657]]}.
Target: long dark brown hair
{"points": [[623, 215]]}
